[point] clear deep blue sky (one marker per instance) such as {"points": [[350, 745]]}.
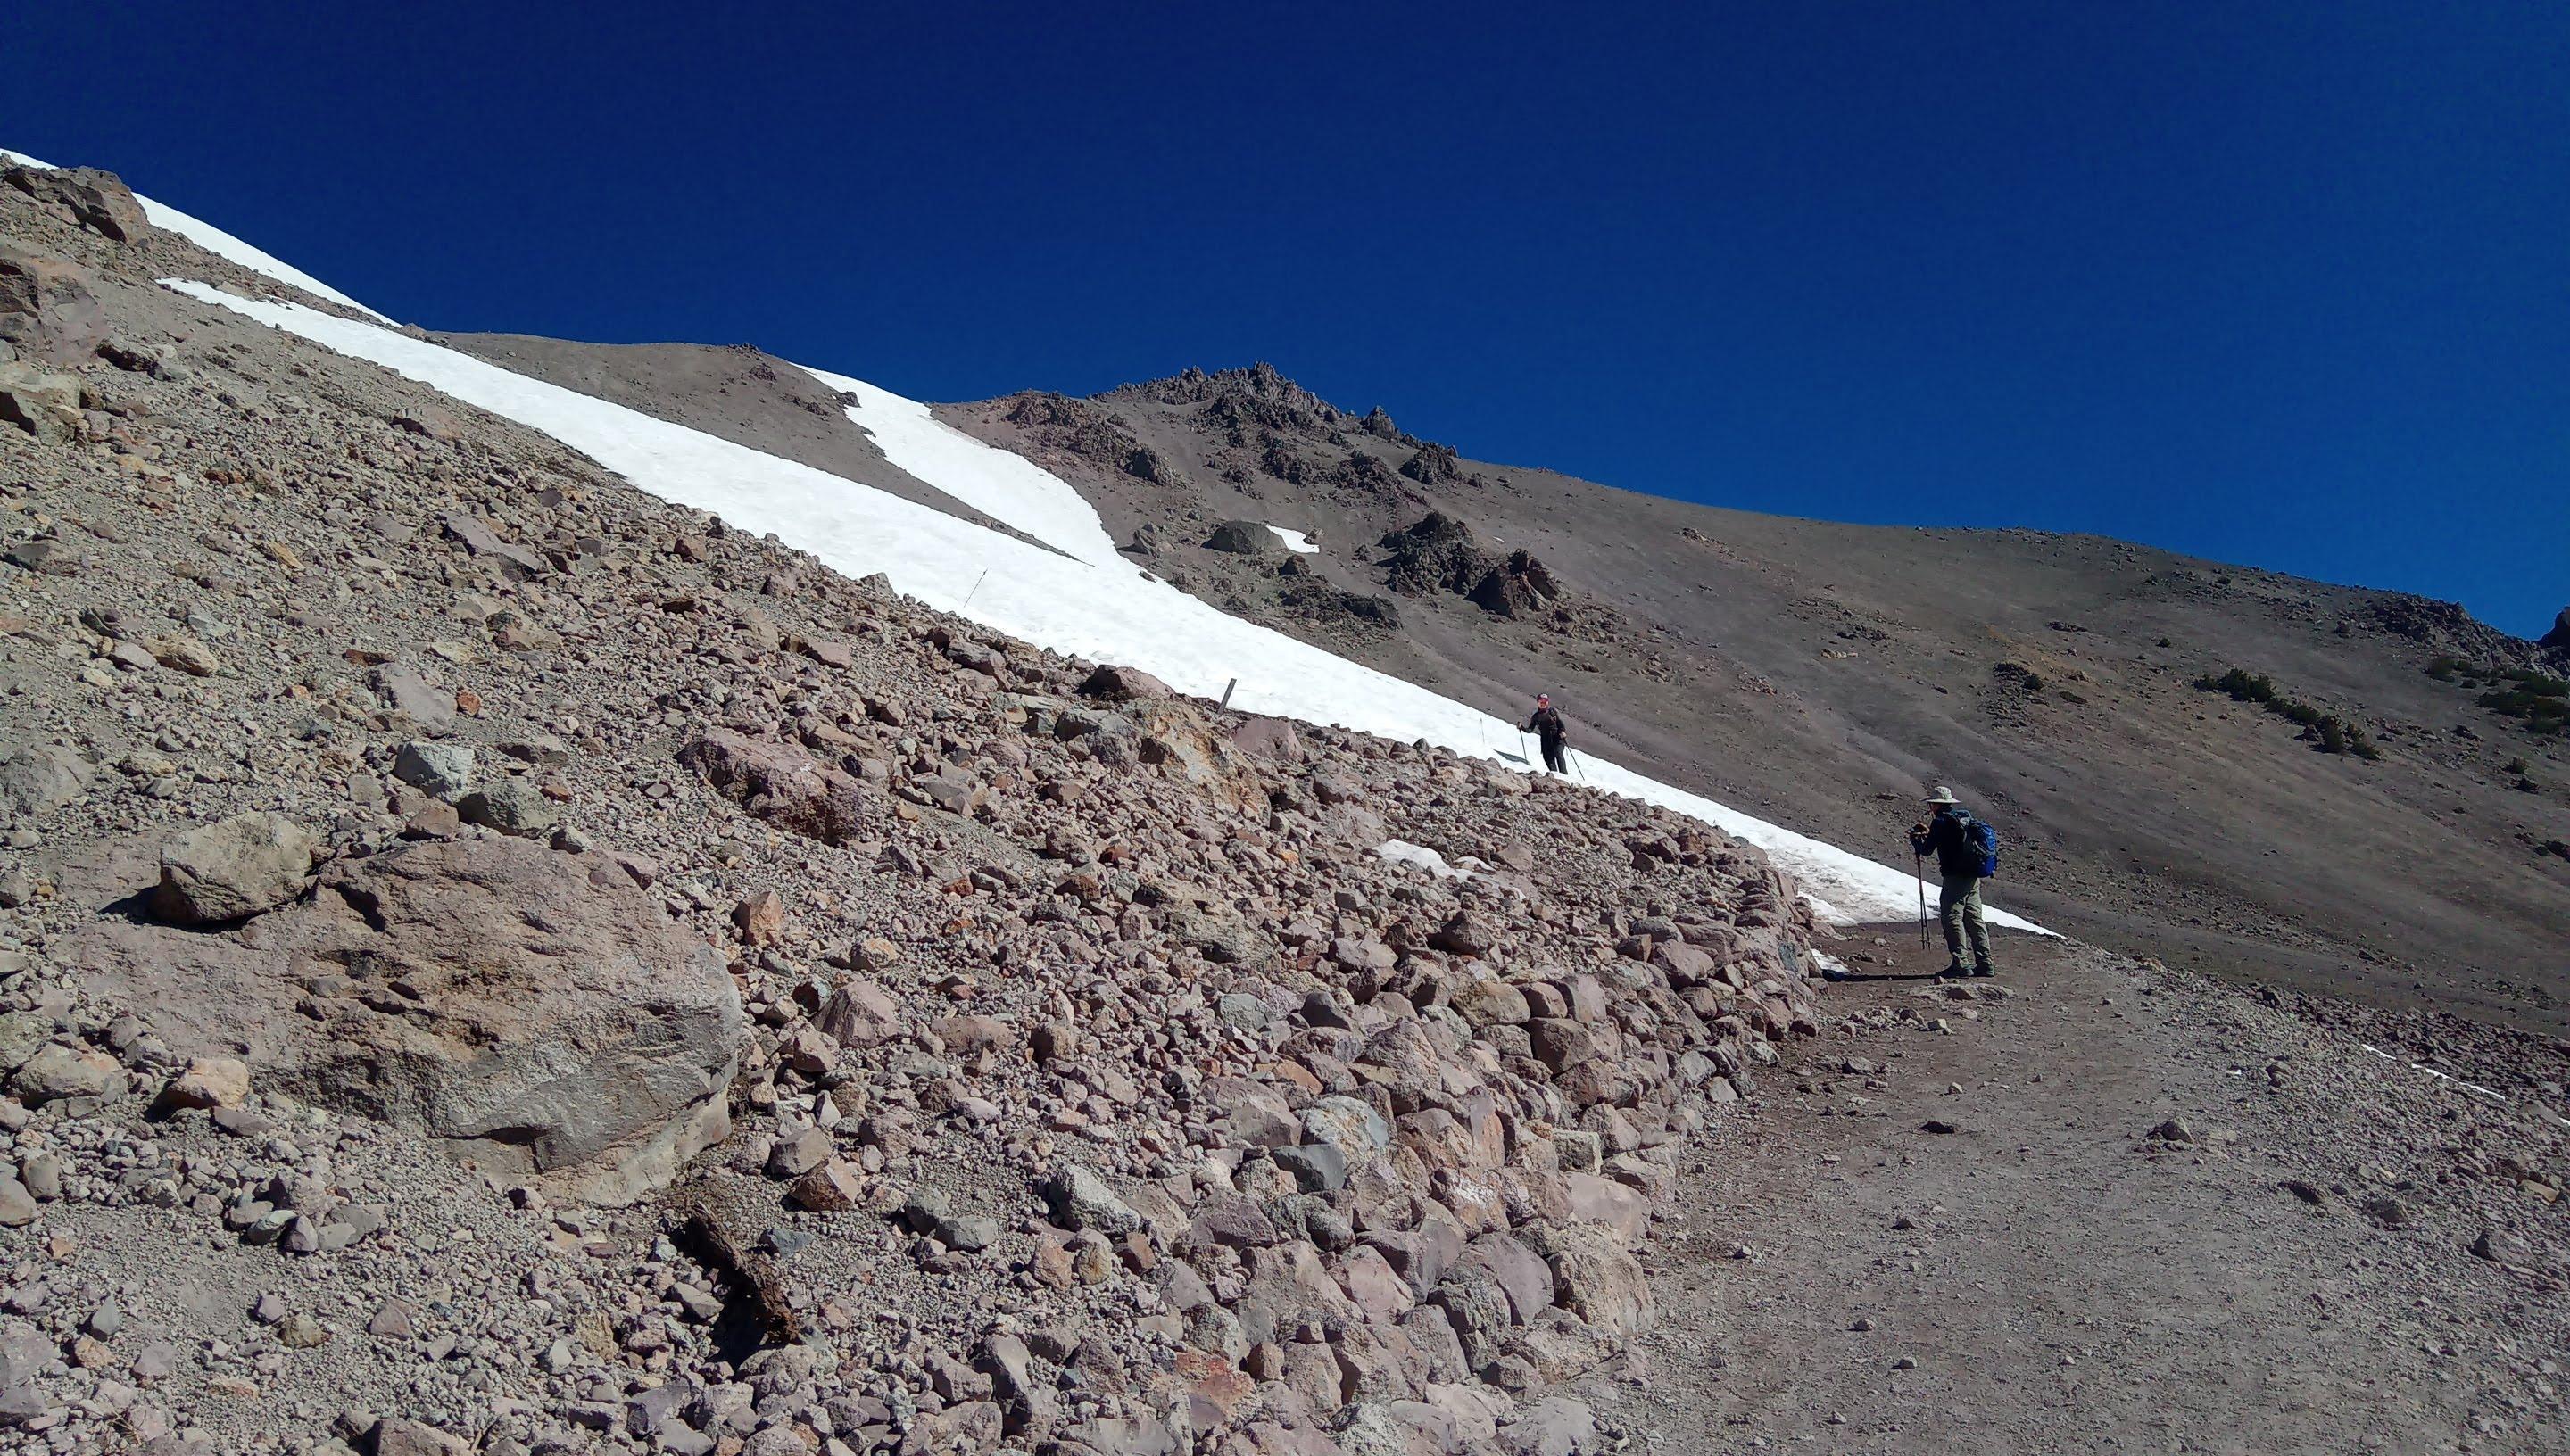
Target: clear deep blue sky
{"points": [[2278, 284]]}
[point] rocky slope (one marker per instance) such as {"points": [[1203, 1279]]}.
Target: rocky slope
{"points": [[1820, 675], [496, 961]]}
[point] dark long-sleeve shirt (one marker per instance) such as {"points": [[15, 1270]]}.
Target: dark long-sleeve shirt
{"points": [[1946, 839]]}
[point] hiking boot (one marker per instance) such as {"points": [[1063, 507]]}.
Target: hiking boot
{"points": [[1984, 968], [1955, 971]]}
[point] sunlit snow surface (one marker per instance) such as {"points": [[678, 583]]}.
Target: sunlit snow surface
{"points": [[223, 244], [1295, 542], [1079, 598], [1011, 488]]}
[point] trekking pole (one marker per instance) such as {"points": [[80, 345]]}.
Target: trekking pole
{"points": [[1918, 871], [1572, 754], [1523, 751]]}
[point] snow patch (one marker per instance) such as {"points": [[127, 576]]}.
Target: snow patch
{"points": [[1012, 489], [223, 244], [2474, 1088], [1403, 852], [1077, 598], [1295, 542]]}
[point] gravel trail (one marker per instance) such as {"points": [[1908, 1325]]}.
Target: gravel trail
{"points": [[2053, 1275]]}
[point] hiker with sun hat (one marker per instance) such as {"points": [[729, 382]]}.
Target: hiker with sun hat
{"points": [[1968, 853]]}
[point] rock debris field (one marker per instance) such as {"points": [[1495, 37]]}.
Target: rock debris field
{"points": [[492, 961]]}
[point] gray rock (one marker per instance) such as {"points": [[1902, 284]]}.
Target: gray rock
{"points": [[39, 779], [21, 1035], [1082, 1201], [442, 768], [478, 537], [538, 748], [514, 807], [2499, 1246], [1552, 1426], [234, 869], [42, 1173], [969, 1233], [1245, 538], [1317, 1167], [100, 200], [58, 1071], [556, 1023], [413, 697], [49, 310], [1353, 1127], [798, 1154], [410, 1438], [1122, 684], [45, 404]]}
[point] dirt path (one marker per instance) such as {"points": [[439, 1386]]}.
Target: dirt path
{"points": [[2065, 1281]]}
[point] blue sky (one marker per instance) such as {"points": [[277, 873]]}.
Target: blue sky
{"points": [[2274, 284]]}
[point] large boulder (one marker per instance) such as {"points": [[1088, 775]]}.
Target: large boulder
{"points": [[1115, 684], [1272, 739], [527, 1008], [779, 783], [46, 403], [1595, 1277], [234, 869], [98, 200], [1244, 538], [40, 777], [48, 311]]}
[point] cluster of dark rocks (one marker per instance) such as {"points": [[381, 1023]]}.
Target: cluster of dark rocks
{"points": [[1438, 554]]}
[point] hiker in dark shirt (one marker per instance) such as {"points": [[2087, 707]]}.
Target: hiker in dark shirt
{"points": [[1963, 859], [1549, 730]]}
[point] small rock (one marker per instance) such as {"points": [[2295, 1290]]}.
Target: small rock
{"points": [[210, 1082], [2499, 1246], [514, 807], [17, 1205], [444, 770]]}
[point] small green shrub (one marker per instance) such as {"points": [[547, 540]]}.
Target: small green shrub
{"points": [[2333, 733]]}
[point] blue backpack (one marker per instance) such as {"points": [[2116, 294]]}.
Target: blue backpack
{"points": [[1983, 842]]}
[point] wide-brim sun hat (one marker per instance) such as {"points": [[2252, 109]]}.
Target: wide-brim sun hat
{"points": [[1944, 794]]}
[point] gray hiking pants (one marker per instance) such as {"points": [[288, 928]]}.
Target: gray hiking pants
{"points": [[1958, 904]]}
